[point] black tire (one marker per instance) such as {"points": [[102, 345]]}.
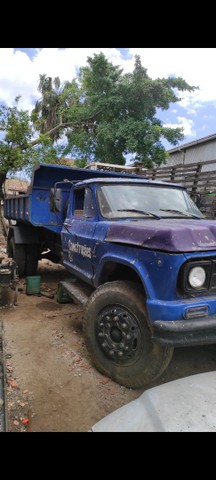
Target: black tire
{"points": [[31, 259], [118, 337], [18, 253]]}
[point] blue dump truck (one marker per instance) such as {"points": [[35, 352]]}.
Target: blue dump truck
{"points": [[143, 248]]}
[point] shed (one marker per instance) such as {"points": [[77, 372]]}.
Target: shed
{"points": [[202, 150]]}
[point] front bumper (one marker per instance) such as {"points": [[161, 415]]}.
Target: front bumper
{"points": [[183, 333]]}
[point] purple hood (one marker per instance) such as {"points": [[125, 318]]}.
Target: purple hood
{"points": [[169, 235]]}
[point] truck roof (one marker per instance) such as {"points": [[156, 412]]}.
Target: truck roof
{"points": [[128, 180]]}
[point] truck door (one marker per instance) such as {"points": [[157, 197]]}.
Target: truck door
{"points": [[77, 233]]}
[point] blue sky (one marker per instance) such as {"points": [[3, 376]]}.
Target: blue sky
{"points": [[196, 112]]}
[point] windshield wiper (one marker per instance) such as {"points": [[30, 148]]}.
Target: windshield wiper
{"points": [[191, 215], [139, 211]]}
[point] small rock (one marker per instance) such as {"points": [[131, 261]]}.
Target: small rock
{"points": [[104, 380], [84, 365], [25, 420], [12, 383]]}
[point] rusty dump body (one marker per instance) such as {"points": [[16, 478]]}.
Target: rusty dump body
{"points": [[105, 226]]}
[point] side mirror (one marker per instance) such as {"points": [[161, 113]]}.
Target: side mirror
{"points": [[55, 199]]}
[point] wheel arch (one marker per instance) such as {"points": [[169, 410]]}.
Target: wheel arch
{"points": [[23, 235], [112, 269], [19, 246]]}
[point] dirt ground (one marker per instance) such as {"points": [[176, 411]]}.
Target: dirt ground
{"points": [[51, 383]]}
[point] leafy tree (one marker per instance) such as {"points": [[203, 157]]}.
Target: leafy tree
{"points": [[51, 110], [19, 148], [46, 113], [103, 115], [32, 137], [124, 108]]}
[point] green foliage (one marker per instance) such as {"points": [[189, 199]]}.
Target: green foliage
{"points": [[123, 110], [103, 115], [16, 150], [80, 163]]}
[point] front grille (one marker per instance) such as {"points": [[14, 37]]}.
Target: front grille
{"points": [[212, 286]]}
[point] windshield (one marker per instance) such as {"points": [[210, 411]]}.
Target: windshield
{"points": [[136, 201]]}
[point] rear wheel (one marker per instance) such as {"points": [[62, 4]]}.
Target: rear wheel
{"points": [[18, 253], [118, 337]]}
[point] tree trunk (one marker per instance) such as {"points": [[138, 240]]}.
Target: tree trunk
{"points": [[2, 179]]}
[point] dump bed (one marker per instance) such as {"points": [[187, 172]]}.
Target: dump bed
{"points": [[34, 207]]}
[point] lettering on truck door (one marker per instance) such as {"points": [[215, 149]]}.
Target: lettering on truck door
{"points": [[77, 236]]}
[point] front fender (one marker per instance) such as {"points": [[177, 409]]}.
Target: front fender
{"points": [[126, 261], [158, 271]]}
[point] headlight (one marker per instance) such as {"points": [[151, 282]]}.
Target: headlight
{"points": [[196, 277]]}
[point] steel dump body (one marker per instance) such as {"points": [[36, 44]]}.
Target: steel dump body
{"points": [[34, 208]]}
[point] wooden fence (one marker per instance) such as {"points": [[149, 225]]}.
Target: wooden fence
{"points": [[193, 176]]}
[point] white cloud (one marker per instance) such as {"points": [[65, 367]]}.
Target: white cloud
{"points": [[191, 111], [184, 123], [19, 74], [209, 117], [16, 77], [195, 65]]}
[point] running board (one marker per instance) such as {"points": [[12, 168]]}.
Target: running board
{"points": [[79, 292]]}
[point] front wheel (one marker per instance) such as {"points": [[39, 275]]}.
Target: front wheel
{"points": [[118, 337]]}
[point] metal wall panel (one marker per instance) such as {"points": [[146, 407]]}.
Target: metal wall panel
{"points": [[196, 153]]}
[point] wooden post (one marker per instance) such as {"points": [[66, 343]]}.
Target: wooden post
{"points": [[196, 177], [173, 173]]}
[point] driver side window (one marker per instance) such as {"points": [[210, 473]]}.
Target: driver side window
{"points": [[83, 203]]}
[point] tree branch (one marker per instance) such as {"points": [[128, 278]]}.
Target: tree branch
{"points": [[58, 127]]}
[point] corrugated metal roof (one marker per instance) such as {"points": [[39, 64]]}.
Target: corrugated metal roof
{"points": [[191, 144]]}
